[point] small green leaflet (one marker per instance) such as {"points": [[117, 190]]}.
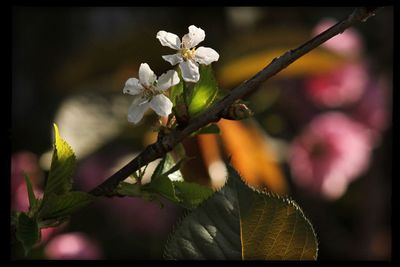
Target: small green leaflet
{"points": [[163, 186], [176, 92], [128, 189], [59, 206], [31, 195], [191, 194], [204, 91], [28, 232], [238, 222], [167, 181], [62, 167]]}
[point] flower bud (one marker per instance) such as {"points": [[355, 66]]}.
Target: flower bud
{"points": [[237, 111]]}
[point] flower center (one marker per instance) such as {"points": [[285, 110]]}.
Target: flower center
{"points": [[319, 150], [188, 53], [150, 91]]}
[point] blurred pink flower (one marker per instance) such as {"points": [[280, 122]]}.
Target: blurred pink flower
{"points": [[331, 152], [130, 214], [24, 162], [373, 109], [341, 86], [348, 44], [20, 200], [47, 233], [72, 246]]}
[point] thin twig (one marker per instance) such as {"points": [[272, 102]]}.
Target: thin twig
{"points": [[167, 142]]}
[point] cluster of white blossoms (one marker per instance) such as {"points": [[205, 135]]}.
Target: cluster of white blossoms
{"points": [[148, 90]]}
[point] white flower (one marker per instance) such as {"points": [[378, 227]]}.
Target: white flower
{"points": [[188, 56], [148, 92]]}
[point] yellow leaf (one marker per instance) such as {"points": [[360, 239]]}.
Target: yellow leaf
{"points": [[243, 68]]}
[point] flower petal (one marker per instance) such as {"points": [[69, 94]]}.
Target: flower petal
{"points": [[132, 87], [190, 71], [168, 79], [161, 105], [137, 109], [169, 39], [173, 59], [206, 55], [146, 75], [194, 37]]}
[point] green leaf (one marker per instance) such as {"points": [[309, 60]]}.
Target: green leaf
{"points": [[62, 167], [64, 205], [128, 189], [240, 223], [191, 194], [27, 232], [204, 91], [176, 92], [159, 169], [14, 217], [31, 195], [210, 129], [52, 222], [169, 168], [163, 186]]}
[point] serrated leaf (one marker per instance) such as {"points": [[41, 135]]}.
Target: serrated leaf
{"points": [[210, 129], [62, 167], [31, 195], [64, 205], [27, 232], [240, 223], [204, 91], [191, 194]]}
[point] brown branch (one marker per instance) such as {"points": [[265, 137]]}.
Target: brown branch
{"points": [[167, 142]]}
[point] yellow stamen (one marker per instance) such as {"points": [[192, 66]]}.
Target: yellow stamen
{"points": [[188, 53]]}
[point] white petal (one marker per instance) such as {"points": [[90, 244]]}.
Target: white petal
{"points": [[161, 105], [206, 55], [137, 109], [168, 79], [194, 37], [169, 39], [132, 87], [173, 59], [146, 75], [190, 71]]}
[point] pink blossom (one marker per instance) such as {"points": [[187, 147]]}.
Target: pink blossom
{"points": [[130, 214], [349, 43], [332, 151], [373, 109], [341, 86], [72, 246], [20, 199], [28, 163], [47, 233]]}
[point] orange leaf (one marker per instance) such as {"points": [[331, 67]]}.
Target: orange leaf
{"points": [[252, 156]]}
